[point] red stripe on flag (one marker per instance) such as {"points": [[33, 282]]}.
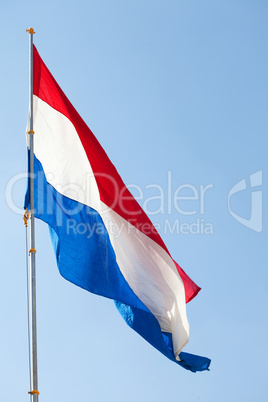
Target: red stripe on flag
{"points": [[113, 191]]}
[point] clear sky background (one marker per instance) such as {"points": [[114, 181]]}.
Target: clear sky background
{"points": [[171, 89]]}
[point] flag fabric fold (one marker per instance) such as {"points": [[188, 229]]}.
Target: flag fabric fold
{"points": [[103, 240]]}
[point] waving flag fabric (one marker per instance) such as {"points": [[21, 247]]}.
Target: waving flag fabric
{"points": [[103, 240]]}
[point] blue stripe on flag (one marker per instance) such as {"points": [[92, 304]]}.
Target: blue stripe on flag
{"points": [[86, 258]]}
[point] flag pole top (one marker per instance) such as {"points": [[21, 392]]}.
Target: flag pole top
{"points": [[30, 30]]}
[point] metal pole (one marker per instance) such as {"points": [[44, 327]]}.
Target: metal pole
{"points": [[34, 380]]}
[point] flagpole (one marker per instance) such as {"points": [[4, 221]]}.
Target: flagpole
{"points": [[33, 336]]}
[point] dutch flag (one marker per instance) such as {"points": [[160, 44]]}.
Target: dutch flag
{"points": [[103, 240]]}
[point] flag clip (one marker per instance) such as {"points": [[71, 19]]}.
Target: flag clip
{"points": [[26, 217], [32, 250], [31, 132], [34, 392], [30, 30]]}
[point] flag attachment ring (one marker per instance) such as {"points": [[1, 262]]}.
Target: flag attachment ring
{"points": [[32, 250], [34, 392]]}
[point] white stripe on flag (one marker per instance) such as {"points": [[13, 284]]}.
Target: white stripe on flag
{"points": [[146, 266]]}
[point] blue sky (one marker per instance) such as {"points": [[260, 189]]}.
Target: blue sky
{"points": [[171, 89]]}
